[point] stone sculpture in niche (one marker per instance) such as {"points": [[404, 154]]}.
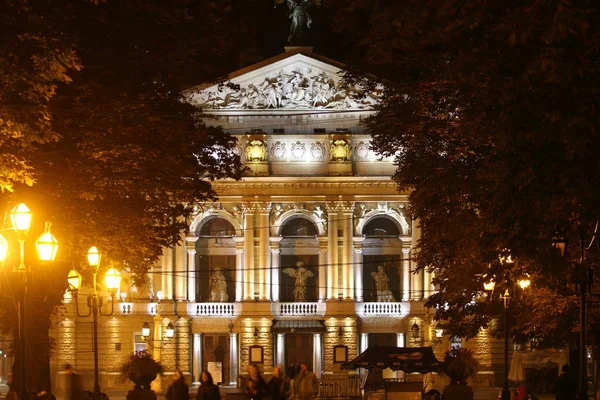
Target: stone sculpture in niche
{"points": [[301, 275], [384, 294], [218, 286]]}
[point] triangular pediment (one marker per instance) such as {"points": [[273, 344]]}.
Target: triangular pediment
{"points": [[290, 82]]}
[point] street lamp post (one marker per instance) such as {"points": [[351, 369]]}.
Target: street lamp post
{"points": [[583, 279], [47, 247], [112, 280], [158, 339], [523, 283]]}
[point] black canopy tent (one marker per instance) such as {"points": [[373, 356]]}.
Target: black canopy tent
{"points": [[407, 359]]}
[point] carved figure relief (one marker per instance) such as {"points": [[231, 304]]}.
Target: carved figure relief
{"points": [[256, 151], [340, 150], [361, 151], [297, 86], [317, 151], [298, 150], [278, 150], [404, 222], [319, 214]]}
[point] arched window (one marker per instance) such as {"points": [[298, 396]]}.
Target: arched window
{"points": [[298, 226], [381, 226], [217, 227]]}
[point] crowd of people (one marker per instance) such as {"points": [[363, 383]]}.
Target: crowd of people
{"points": [[297, 383]]}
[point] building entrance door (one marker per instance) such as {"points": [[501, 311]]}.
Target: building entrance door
{"points": [[215, 350], [299, 349]]}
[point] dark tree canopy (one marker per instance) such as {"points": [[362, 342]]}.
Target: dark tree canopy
{"points": [[491, 109], [91, 116]]}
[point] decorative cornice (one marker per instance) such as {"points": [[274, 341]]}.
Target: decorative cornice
{"points": [[297, 185]]}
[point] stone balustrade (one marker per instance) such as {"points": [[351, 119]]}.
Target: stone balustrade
{"points": [[380, 309], [298, 309], [214, 309]]}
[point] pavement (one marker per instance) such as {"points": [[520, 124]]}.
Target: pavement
{"points": [[479, 394]]}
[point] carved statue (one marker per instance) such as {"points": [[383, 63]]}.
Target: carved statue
{"points": [[384, 293], [301, 21], [301, 275], [218, 286]]}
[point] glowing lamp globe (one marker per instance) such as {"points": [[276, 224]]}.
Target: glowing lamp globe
{"points": [[47, 245], [146, 329], [20, 217], [170, 331], [93, 256], [112, 278], [524, 283], [74, 280], [489, 286], [3, 248]]}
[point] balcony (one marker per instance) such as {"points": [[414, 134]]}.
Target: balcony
{"points": [[213, 309], [398, 309], [298, 309]]}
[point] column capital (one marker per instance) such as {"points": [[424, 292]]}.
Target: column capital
{"points": [[190, 242], [275, 240], [405, 250], [191, 251]]}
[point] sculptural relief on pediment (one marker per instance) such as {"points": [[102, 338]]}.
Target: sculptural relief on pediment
{"points": [[294, 87]]}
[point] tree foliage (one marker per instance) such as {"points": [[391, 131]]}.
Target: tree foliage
{"points": [[36, 58], [91, 111], [491, 109]]}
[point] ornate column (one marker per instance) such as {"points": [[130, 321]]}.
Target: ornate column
{"points": [[234, 362], [400, 342], [167, 274], [156, 347], [239, 268], [323, 268], [358, 267], [406, 275], [347, 211], [190, 245], [417, 279], [275, 264], [197, 357], [318, 358], [364, 341], [263, 250], [248, 277], [332, 252]]}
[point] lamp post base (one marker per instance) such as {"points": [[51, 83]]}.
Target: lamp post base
{"points": [[98, 395]]}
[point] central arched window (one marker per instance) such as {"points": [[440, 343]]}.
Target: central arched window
{"points": [[217, 227], [381, 226], [298, 227]]}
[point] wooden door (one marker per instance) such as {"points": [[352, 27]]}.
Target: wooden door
{"points": [[215, 348], [299, 349]]}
